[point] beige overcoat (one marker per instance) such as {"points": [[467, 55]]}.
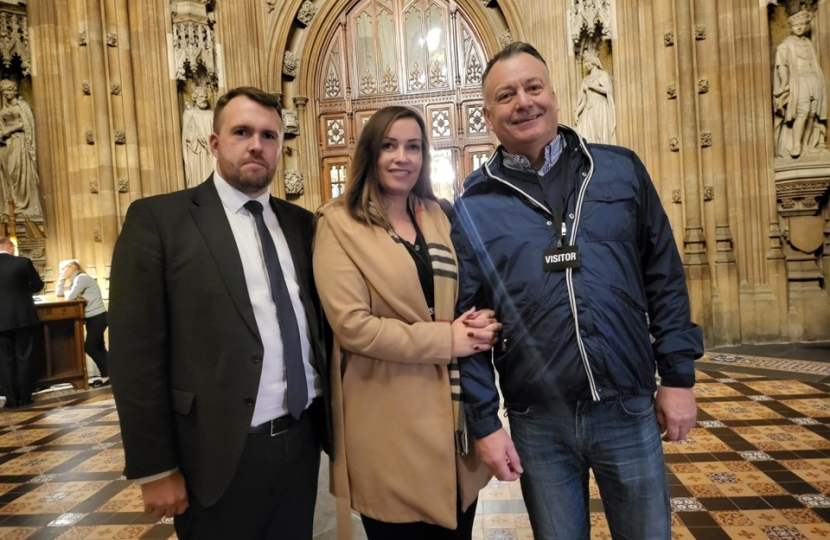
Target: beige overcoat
{"points": [[394, 448]]}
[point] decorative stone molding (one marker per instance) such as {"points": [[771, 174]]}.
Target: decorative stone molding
{"points": [[306, 13], [14, 36], [112, 39], [703, 86], [115, 89], [587, 15], [705, 139], [93, 186], [123, 185], [675, 196], [291, 123], [82, 40], [97, 235], [708, 193], [300, 102], [505, 39], [270, 5], [671, 91], [120, 137], [293, 183], [668, 38], [90, 137], [700, 32], [290, 62], [800, 187], [85, 89], [674, 144]]}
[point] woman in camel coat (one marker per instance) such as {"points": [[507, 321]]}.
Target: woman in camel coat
{"points": [[386, 274]]}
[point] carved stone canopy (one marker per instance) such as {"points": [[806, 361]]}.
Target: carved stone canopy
{"points": [[14, 36], [587, 16], [194, 46]]}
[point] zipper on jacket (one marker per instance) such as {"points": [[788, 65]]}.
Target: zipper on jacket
{"points": [[569, 272]]}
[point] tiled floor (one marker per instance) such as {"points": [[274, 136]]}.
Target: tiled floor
{"points": [[757, 467]]}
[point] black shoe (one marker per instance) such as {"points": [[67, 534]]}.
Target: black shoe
{"points": [[97, 383]]}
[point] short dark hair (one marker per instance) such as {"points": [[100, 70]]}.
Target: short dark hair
{"points": [[269, 101], [364, 191], [514, 49]]}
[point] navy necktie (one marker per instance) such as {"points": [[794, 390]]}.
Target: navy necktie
{"points": [[290, 332]]}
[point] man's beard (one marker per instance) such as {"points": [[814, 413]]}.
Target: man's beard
{"points": [[251, 183]]}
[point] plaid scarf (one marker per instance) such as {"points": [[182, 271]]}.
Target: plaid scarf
{"points": [[445, 280]]}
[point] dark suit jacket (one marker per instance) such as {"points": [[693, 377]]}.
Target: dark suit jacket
{"points": [[185, 351], [18, 282]]}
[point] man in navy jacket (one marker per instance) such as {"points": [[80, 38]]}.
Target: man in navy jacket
{"points": [[583, 271]]}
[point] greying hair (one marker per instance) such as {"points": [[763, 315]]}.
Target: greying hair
{"points": [[514, 49]]}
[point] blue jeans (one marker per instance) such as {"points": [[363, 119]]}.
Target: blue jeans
{"points": [[618, 439]]}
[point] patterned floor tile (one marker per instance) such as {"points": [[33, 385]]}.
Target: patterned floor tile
{"points": [[17, 533], [756, 467], [105, 532]]}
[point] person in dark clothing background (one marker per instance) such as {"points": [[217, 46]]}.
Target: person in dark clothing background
{"points": [[19, 325]]}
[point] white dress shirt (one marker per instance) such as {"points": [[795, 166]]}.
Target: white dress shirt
{"points": [[271, 399]]}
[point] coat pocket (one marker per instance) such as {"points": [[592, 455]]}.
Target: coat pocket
{"points": [[608, 213], [183, 400]]}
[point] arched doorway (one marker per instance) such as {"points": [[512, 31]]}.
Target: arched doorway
{"points": [[420, 53]]}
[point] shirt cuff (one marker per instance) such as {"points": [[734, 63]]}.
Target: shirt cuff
{"points": [[153, 478]]}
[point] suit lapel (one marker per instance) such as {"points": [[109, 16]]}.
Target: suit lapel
{"points": [[213, 224]]}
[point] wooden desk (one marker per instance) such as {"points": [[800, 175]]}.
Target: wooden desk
{"points": [[63, 335]]}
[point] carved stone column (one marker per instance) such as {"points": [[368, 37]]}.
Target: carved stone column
{"points": [[310, 169], [711, 54], [694, 240], [240, 37]]}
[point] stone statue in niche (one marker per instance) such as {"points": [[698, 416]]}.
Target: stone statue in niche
{"points": [[18, 152], [799, 94], [197, 125], [595, 110]]}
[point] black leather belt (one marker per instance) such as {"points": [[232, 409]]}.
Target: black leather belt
{"points": [[277, 426]]}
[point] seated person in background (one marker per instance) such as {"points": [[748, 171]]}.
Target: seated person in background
{"points": [[82, 285]]}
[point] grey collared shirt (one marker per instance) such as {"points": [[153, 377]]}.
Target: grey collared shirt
{"points": [[520, 163]]}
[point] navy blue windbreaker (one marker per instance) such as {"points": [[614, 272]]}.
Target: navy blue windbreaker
{"points": [[603, 328]]}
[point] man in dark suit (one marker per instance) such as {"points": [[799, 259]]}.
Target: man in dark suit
{"points": [[216, 338], [19, 325]]}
